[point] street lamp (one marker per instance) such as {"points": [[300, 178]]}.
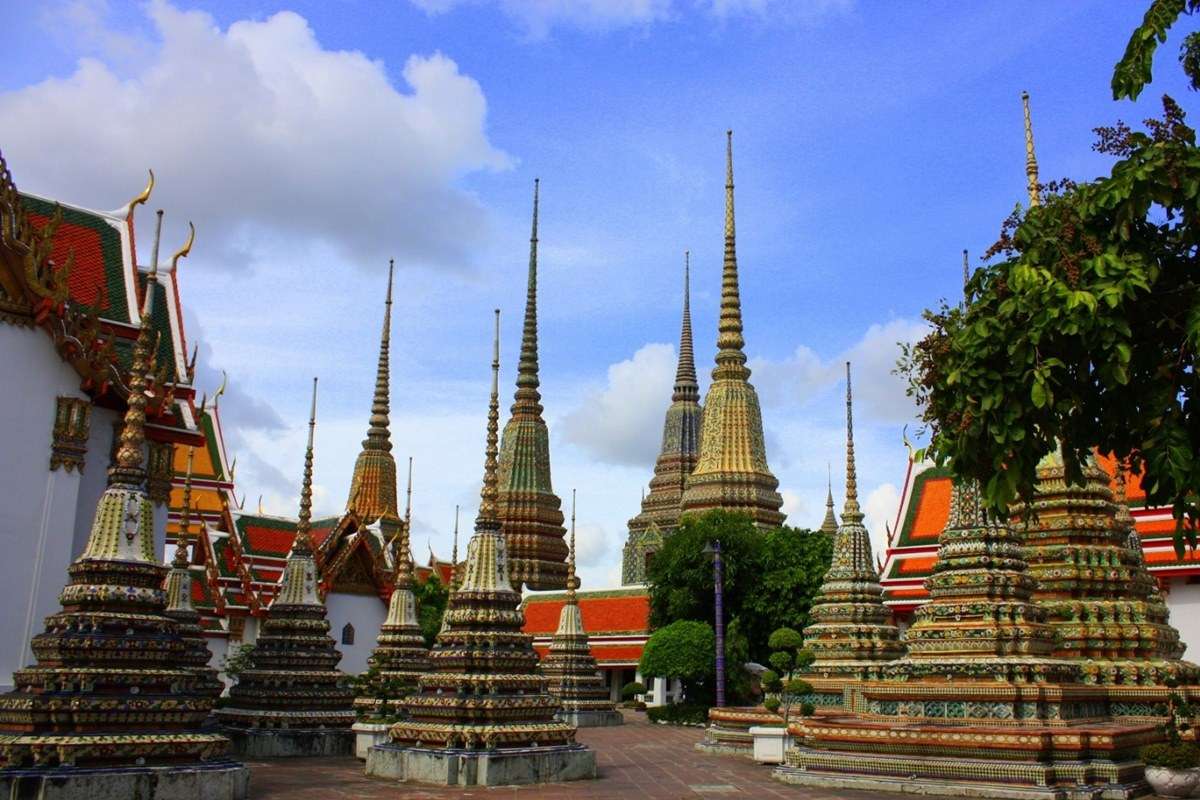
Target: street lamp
{"points": [[713, 551]]}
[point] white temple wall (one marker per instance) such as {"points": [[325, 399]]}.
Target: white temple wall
{"points": [[95, 475], [366, 613], [1183, 601], [37, 506]]}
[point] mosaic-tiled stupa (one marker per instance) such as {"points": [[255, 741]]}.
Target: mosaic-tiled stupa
{"points": [[482, 715], [179, 597], [1103, 604], [659, 515], [978, 706], [570, 666], [528, 508], [114, 704], [293, 701], [732, 472], [851, 635]]}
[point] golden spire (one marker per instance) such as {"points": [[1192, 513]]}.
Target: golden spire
{"points": [[731, 361], [182, 539], [829, 525], [408, 497], [572, 581], [487, 507], [686, 387], [966, 273], [454, 553], [527, 397], [1031, 165], [851, 513], [373, 482], [128, 468], [303, 542]]}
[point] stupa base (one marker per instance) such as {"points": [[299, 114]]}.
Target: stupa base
{"points": [[213, 780], [367, 735], [590, 718], [290, 742], [728, 731], [509, 766], [957, 777]]}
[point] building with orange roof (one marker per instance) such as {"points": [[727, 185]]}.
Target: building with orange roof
{"points": [[617, 622], [925, 506]]}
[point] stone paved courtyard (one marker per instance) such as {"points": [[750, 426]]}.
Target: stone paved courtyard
{"points": [[638, 761]]}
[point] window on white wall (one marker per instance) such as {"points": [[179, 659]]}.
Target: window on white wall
{"points": [[348, 634]]}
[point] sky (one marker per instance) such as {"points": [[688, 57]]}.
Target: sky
{"points": [[310, 142]]}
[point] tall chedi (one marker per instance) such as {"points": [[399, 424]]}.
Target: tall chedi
{"points": [[529, 510], [732, 472], [1103, 604], [114, 704], [482, 715], [829, 525], [851, 635], [574, 677], [291, 701], [676, 458], [373, 483]]}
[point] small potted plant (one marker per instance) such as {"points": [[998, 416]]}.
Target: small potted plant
{"points": [[1173, 766]]}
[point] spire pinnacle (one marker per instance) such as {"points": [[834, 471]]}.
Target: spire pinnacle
{"points": [[966, 273], [829, 524], [303, 542], [487, 507], [378, 435], [731, 361], [408, 496], [185, 519], [686, 387], [850, 511], [1031, 165], [527, 396], [454, 553], [572, 581], [128, 468]]}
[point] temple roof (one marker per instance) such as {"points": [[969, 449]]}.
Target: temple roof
{"points": [[617, 621], [925, 507]]}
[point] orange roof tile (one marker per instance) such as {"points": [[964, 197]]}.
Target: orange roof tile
{"points": [[620, 611]]}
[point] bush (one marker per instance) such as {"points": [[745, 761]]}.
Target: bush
{"points": [[679, 714], [631, 690], [807, 709], [1172, 756], [682, 650], [772, 704]]}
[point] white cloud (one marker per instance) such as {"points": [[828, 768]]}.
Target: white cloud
{"points": [[621, 423], [260, 134], [880, 508], [538, 17]]}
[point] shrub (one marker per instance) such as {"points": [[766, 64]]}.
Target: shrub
{"points": [[682, 650], [679, 714], [631, 690], [772, 704], [1172, 756], [807, 709]]}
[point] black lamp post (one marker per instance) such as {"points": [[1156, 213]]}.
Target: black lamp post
{"points": [[713, 551]]}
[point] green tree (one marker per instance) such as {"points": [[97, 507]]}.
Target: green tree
{"points": [[1086, 330], [683, 650], [769, 578], [431, 597]]}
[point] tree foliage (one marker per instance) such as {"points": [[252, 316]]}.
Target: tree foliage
{"points": [[1133, 71], [682, 650], [431, 597], [1086, 330], [769, 578]]}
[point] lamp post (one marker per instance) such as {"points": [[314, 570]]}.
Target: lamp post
{"points": [[713, 551]]}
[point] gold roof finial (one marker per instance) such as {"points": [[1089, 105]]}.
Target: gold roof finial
{"points": [[408, 496], [303, 543], [686, 386], [487, 507], [966, 273], [186, 250], [141, 198], [731, 361], [850, 512], [1031, 165], [185, 520], [453, 553], [128, 467]]}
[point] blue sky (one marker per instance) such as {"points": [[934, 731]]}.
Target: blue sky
{"points": [[310, 141]]}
